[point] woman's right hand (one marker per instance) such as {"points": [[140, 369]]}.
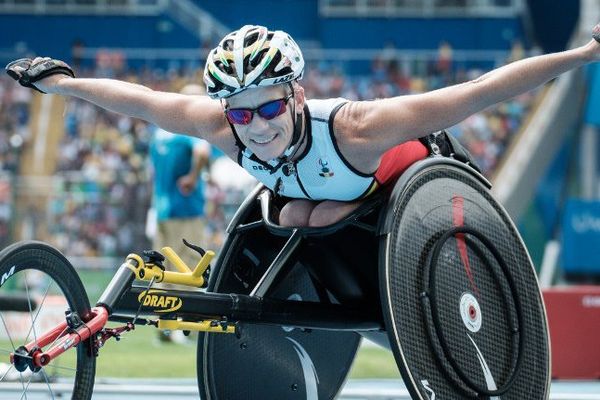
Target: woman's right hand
{"points": [[41, 73], [50, 83]]}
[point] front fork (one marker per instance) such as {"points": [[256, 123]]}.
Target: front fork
{"points": [[74, 330], [66, 335]]}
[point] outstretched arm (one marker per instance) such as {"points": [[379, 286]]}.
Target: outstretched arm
{"points": [[388, 122], [193, 115]]}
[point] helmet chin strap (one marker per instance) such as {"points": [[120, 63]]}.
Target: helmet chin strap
{"points": [[297, 131], [295, 143]]}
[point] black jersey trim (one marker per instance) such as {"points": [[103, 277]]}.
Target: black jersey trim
{"points": [[372, 188], [309, 140], [240, 158], [308, 132]]}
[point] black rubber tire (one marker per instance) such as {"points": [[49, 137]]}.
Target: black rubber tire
{"points": [[33, 255]]}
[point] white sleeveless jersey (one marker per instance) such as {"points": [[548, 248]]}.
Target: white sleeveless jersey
{"points": [[321, 172]]}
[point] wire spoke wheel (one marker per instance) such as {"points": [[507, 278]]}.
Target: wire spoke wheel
{"points": [[37, 286]]}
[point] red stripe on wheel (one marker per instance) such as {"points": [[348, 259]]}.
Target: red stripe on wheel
{"points": [[458, 219]]}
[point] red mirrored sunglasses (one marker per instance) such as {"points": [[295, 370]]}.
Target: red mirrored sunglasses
{"points": [[269, 110]]}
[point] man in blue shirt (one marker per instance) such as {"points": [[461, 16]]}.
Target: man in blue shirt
{"points": [[178, 195]]}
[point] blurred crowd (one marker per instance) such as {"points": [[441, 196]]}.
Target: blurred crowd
{"points": [[14, 134], [14, 122], [100, 207]]}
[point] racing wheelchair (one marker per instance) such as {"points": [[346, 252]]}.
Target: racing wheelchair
{"points": [[434, 269]]}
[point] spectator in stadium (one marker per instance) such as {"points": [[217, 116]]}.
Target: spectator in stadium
{"points": [[178, 195], [326, 155]]}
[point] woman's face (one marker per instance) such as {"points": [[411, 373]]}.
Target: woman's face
{"points": [[267, 139]]}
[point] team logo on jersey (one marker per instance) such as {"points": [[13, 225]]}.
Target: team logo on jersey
{"points": [[326, 172]]}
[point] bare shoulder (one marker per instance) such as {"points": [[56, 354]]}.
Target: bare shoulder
{"points": [[376, 126], [352, 136], [366, 120], [348, 123]]}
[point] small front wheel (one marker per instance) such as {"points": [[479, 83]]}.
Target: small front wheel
{"points": [[37, 286]]}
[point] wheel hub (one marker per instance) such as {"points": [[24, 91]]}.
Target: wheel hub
{"points": [[22, 359]]}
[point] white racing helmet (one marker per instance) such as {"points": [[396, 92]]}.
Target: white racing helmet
{"points": [[252, 56]]}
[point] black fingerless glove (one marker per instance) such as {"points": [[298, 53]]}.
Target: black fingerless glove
{"points": [[35, 72]]}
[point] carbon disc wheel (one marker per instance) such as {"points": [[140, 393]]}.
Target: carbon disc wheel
{"points": [[270, 362], [462, 306]]}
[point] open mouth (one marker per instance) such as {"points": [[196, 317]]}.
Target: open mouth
{"points": [[264, 140]]}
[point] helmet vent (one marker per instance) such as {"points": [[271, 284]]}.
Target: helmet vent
{"points": [[228, 45]]}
